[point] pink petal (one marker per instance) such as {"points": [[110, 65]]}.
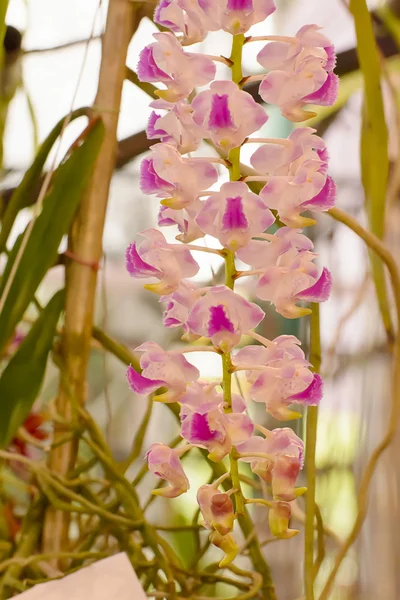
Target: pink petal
{"points": [[331, 64], [234, 217], [320, 291], [327, 94], [312, 395], [219, 321], [325, 199], [136, 266], [150, 181], [147, 69], [141, 385], [152, 132], [220, 116], [196, 429]]}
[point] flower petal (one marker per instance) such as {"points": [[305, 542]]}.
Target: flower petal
{"points": [[142, 385], [320, 291]]}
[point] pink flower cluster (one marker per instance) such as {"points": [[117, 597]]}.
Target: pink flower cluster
{"points": [[293, 173]]}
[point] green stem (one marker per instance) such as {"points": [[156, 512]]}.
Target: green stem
{"points": [[245, 522], [311, 441], [30, 536]]}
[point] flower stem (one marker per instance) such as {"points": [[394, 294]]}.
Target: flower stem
{"points": [[311, 441], [260, 565]]}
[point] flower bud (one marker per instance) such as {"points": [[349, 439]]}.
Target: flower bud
{"points": [[278, 518], [164, 462], [216, 508], [227, 544]]}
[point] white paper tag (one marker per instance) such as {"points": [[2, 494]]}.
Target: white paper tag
{"points": [[112, 578]]}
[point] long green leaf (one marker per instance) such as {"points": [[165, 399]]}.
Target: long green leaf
{"points": [[22, 378], [40, 253], [30, 185], [374, 142]]}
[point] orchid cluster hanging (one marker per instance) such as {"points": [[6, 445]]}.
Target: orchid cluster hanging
{"points": [[263, 231]]}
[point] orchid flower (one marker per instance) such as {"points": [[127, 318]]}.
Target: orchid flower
{"points": [[278, 518], [223, 316], [281, 377], [234, 215], [300, 73], [161, 369], [288, 274], [165, 463], [178, 306], [177, 127], [298, 179], [227, 115], [183, 219], [181, 72], [216, 508], [155, 258], [237, 16], [205, 424], [284, 452], [176, 179], [185, 17]]}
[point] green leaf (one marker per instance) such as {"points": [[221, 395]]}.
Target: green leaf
{"points": [[374, 143], [22, 378], [52, 224], [29, 188], [376, 163]]}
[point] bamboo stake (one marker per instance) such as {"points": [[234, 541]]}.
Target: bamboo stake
{"points": [[85, 245]]}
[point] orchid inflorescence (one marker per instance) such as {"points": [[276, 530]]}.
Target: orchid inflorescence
{"points": [[293, 172]]}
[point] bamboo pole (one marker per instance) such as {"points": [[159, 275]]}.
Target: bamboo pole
{"points": [[85, 245]]}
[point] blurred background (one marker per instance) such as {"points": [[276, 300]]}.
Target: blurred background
{"points": [[53, 73]]}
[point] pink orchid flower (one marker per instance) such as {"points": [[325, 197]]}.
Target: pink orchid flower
{"points": [[185, 17], [177, 127], [308, 189], [234, 215], [161, 369], [184, 220], [282, 156], [177, 179], [287, 273], [154, 257], [284, 458], [216, 508], [205, 424], [237, 16], [227, 115], [165, 61], [279, 376], [300, 73], [178, 306], [262, 254], [298, 180], [223, 316], [165, 463], [295, 278]]}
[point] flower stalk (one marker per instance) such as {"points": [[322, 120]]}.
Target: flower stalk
{"points": [[213, 417]]}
